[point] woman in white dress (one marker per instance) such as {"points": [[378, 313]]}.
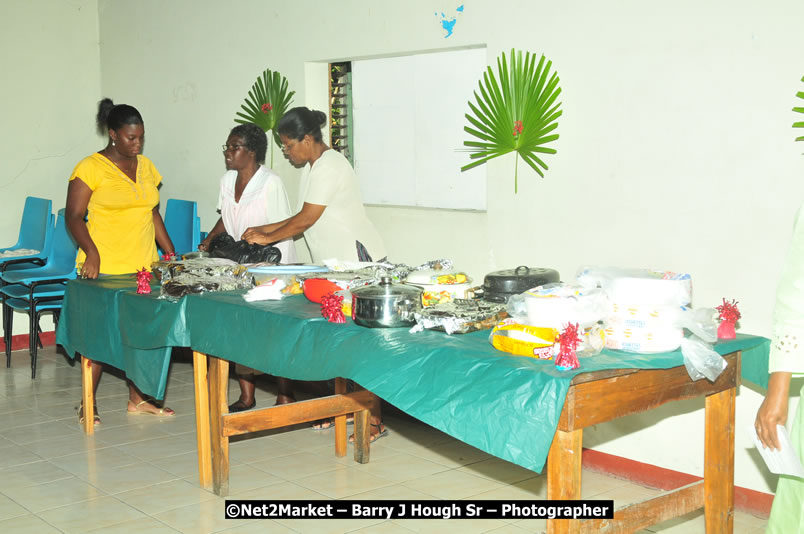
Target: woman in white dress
{"points": [[331, 215], [251, 194]]}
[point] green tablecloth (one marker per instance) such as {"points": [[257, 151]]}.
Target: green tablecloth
{"points": [[505, 405], [107, 321]]}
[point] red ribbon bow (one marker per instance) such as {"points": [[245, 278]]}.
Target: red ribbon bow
{"points": [[143, 281], [568, 340], [331, 308]]}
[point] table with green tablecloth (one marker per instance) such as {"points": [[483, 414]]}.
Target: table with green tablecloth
{"points": [[506, 405]]}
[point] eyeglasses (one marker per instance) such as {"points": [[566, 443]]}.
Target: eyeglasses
{"points": [[287, 147], [233, 148]]}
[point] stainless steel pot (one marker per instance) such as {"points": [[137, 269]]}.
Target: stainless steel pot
{"points": [[386, 305]]}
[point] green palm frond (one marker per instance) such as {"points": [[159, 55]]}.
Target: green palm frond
{"points": [[516, 111], [267, 101], [799, 124]]}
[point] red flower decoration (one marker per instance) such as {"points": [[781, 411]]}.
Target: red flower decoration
{"points": [[729, 315], [517, 128], [568, 341], [331, 308], [266, 107], [170, 256], [728, 311], [143, 281]]}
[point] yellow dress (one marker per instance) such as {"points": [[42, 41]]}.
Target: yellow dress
{"points": [[120, 220]]}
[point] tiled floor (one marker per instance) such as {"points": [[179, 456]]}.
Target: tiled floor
{"points": [[139, 473]]}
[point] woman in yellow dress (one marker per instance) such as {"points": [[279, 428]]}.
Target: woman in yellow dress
{"points": [[117, 189]]}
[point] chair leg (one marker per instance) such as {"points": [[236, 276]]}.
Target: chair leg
{"points": [[36, 315], [8, 323], [32, 325]]}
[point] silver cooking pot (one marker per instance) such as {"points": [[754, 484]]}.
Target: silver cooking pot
{"points": [[386, 305]]}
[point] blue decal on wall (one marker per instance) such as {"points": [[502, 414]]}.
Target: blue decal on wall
{"points": [[448, 22]]}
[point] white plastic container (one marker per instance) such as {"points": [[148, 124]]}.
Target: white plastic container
{"points": [[556, 305]]}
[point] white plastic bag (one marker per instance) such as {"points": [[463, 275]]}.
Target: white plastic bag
{"points": [[700, 360]]}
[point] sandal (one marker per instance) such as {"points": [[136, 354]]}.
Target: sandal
{"points": [[96, 419], [240, 406], [326, 424], [159, 412], [381, 433]]}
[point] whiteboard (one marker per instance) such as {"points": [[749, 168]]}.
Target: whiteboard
{"points": [[408, 129]]}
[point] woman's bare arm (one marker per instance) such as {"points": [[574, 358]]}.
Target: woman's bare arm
{"points": [[78, 195], [287, 229]]}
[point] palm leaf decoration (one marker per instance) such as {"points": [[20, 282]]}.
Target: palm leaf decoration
{"points": [[516, 111], [267, 101], [799, 109]]}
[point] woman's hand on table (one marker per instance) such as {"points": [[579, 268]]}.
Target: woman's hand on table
{"points": [[773, 410], [204, 245], [252, 235], [91, 266]]}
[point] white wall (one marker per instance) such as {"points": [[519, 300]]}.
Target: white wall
{"points": [[676, 148], [48, 99]]}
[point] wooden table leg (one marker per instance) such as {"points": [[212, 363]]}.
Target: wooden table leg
{"points": [[564, 476], [340, 421], [202, 419], [719, 462], [218, 406], [362, 436], [87, 396]]}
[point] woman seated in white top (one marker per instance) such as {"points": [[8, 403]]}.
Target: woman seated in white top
{"points": [[331, 214], [250, 195]]}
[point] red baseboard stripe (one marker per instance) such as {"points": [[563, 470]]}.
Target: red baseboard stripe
{"points": [[746, 500], [21, 341]]}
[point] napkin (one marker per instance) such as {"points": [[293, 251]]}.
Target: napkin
{"points": [[269, 290]]}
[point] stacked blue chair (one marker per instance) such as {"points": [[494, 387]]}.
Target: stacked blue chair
{"points": [[39, 289], [36, 230], [183, 225]]}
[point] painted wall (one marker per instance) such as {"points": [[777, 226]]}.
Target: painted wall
{"points": [[50, 63], [676, 148]]}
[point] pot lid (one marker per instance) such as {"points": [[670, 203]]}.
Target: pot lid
{"points": [[520, 279], [386, 288]]}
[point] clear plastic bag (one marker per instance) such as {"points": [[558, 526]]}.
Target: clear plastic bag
{"points": [[701, 322], [701, 360]]}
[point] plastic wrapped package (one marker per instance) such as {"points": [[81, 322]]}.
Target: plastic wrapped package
{"points": [[441, 286], [199, 275], [186, 283], [638, 286], [165, 270], [460, 316], [542, 342], [556, 305]]}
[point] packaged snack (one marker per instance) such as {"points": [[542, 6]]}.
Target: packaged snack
{"points": [[524, 340]]}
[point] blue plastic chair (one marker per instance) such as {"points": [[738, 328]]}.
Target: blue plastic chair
{"points": [[183, 225], [36, 230], [39, 289]]}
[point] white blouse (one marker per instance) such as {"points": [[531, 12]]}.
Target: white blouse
{"points": [[263, 201]]}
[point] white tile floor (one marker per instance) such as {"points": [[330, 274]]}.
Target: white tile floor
{"points": [[139, 473]]}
